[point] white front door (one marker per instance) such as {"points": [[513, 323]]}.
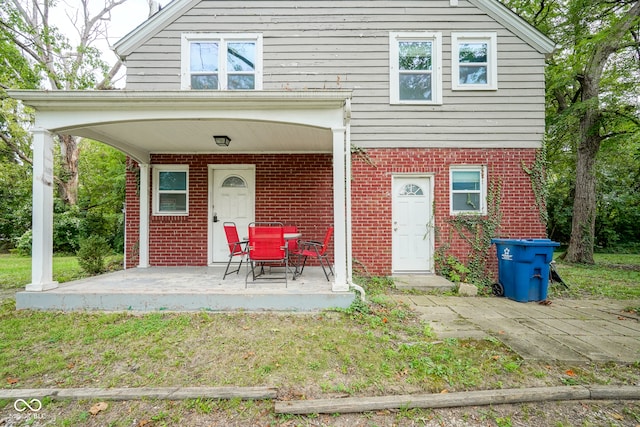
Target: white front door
{"points": [[231, 199], [412, 229]]}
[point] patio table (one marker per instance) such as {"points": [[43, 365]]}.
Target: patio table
{"points": [[287, 237]]}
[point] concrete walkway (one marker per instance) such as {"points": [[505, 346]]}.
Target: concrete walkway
{"points": [[575, 331]]}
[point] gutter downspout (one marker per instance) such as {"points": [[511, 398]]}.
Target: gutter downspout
{"points": [[347, 124]]}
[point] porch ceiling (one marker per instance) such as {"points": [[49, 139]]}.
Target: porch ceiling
{"points": [[196, 136], [144, 122]]}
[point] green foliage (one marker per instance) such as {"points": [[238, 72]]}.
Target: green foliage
{"points": [[23, 243], [584, 30], [92, 253], [537, 174], [477, 231], [451, 268], [66, 224], [101, 192]]}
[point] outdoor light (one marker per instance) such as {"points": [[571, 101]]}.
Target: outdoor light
{"points": [[222, 140]]}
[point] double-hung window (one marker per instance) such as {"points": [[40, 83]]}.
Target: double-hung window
{"points": [[415, 68], [468, 190], [171, 190], [474, 61], [221, 61]]}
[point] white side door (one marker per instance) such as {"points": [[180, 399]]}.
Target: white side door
{"points": [[412, 231], [231, 198]]}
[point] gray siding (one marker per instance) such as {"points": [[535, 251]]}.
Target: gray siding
{"points": [[344, 44]]}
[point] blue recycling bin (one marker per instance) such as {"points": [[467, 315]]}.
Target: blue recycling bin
{"points": [[523, 268]]}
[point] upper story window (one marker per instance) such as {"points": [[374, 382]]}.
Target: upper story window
{"points": [[415, 68], [171, 190], [468, 190], [221, 61], [474, 61]]}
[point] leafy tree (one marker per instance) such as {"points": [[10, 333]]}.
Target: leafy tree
{"points": [[592, 94], [101, 192], [27, 25]]}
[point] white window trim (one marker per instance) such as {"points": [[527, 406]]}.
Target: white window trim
{"points": [[483, 189], [156, 189], [492, 60], [223, 38], [394, 72]]}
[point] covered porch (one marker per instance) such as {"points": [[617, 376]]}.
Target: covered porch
{"points": [[187, 289], [160, 127]]}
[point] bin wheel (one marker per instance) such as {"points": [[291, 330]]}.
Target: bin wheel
{"points": [[498, 289]]}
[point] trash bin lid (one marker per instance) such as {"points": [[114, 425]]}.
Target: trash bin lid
{"points": [[525, 242]]}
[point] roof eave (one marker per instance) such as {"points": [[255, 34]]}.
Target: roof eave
{"points": [[43, 100], [516, 24], [151, 26]]}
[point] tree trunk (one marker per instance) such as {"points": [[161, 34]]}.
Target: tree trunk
{"points": [[584, 203], [68, 180]]}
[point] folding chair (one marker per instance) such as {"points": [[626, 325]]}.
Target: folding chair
{"points": [[236, 247], [267, 246], [316, 250]]}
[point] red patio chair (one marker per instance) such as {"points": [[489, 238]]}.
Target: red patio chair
{"points": [[236, 247], [316, 250], [267, 246]]}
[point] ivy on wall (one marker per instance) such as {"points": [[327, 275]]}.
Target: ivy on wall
{"points": [[477, 231], [538, 177]]}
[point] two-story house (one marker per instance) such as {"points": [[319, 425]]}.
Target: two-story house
{"points": [[385, 119]]}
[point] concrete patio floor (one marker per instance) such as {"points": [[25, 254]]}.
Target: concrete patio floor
{"points": [[188, 289]]}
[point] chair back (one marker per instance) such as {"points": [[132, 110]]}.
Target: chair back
{"points": [[325, 243], [266, 241], [231, 231]]}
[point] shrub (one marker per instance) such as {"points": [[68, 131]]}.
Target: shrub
{"points": [[23, 243], [92, 253]]}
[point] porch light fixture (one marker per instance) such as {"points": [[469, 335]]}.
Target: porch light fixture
{"points": [[222, 140]]}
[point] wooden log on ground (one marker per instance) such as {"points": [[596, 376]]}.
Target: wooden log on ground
{"points": [[615, 393], [166, 393], [441, 400]]}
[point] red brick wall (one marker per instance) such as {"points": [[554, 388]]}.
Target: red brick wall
{"points": [[291, 188], [132, 215], [297, 189], [371, 201]]}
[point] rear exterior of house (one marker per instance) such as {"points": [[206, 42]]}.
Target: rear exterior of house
{"points": [[445, 117]]}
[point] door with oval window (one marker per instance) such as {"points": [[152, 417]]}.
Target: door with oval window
{"points": [[412, 231], [231, 199]]}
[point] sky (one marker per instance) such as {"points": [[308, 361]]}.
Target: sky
{"points": [[124, 18]]}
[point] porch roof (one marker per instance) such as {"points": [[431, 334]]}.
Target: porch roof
{"points": [[143, 122]]}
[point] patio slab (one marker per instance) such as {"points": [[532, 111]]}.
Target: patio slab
{"points": [[187, 289], [572, 331]]}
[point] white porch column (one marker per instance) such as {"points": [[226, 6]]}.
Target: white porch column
{"points": [[339, 211], [143, 261], [42, 217]]}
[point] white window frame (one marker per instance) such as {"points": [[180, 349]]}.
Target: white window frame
{"points": [[156, 189], [223, 39], [482, 192], [436, 72], [491, 39]]}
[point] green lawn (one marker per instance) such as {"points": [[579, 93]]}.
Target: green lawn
{"points": [[15, 271], [613, 276]]}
